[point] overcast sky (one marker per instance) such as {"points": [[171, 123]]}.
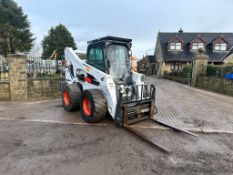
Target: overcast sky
{"points": [[137, 19]]}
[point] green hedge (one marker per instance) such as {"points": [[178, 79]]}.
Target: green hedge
{"points": [[182, 76], [219, 71], [215, 84], [186, 71], [177, 79]]}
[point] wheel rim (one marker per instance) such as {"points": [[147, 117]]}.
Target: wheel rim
{"points": [[86, 106], [66, 98]]}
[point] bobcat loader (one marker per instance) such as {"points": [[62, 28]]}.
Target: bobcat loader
{"points": [[104, 84]]}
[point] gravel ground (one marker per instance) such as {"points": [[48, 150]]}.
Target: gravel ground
{"points": [[45, 148]]}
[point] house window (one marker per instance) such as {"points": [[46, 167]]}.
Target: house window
{"points": [[196, 46], [175, 46], [176, 66], [220, 47]]}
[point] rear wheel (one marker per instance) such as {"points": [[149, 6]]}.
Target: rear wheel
{"points": [[71, 96], [93, 106]]}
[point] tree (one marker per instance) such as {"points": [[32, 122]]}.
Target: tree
{"points": [[35, 51], [57, 39], [15, 34]]}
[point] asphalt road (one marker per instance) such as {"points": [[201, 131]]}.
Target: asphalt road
{"points": [[38, 148]]}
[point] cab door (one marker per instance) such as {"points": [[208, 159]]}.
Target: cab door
{"points": [[95, 58]]}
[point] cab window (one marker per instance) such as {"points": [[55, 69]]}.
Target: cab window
{"points": [[96, 58]]}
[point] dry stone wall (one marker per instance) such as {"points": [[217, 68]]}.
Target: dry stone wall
{"points": [[17, 77], [20, 87]]}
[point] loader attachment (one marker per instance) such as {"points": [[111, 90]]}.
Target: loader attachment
{"points": [[139, 107], [143, 109]]}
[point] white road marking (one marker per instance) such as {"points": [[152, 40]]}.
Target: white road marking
{"points": [[80, 123], [59, 122], [197, 130]]}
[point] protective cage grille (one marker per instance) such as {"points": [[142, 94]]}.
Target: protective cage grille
{"points": [[138, 93]]}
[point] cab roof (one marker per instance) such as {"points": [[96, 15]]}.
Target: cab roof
{"points": [[110, 38]]}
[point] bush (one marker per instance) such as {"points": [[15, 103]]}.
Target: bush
{"points": [[219, 71], [228, 69], [186, 71], [165, 73], [213, 70], [47, 75], [174, 73]]}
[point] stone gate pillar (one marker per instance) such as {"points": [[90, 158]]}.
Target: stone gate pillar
{"points": [[199, 67], [17, 77]]}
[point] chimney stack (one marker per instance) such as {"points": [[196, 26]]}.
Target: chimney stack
{"points": [[181, 30]]}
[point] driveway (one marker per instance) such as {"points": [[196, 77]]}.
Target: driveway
{"points": [[193, 109]]}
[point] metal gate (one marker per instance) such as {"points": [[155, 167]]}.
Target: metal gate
{"points": [[43, 79], [4, 83]]}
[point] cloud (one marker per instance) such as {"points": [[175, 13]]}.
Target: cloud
{"points": [[139, 20]]}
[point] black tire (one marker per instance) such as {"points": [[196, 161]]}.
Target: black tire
{"points": [[71, 96], [97, 106]]}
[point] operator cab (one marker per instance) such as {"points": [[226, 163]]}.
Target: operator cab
{"points": [[111, 55]]}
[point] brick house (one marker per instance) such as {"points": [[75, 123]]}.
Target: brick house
{"points": [[175, 50], [147, 65]]}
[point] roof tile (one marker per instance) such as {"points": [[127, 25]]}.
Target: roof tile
{"points": [[186, 54]]}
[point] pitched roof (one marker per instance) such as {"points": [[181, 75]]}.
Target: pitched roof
{"points": [[176, 38], [230, 52], [151, 58], [147, 58], [219, 38], [197, 38], [186, 54]]}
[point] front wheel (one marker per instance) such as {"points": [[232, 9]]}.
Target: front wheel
{"points": [[93, 106]]}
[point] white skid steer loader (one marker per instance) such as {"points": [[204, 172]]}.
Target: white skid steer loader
{"points": [[104, 84]]}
